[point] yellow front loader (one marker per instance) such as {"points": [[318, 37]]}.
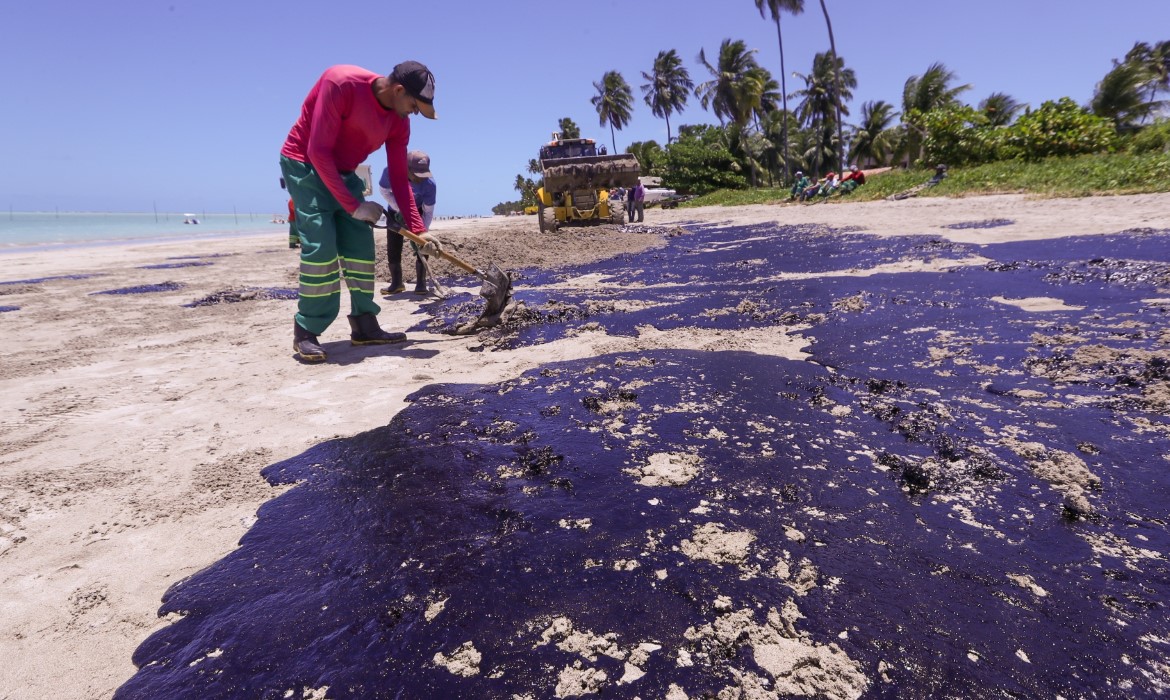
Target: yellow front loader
{"points": [[577, 180]]}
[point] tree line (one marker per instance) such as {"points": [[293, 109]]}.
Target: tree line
{"points": [[760, 141]]}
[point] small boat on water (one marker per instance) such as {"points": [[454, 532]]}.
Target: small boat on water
{"points": [[190, 219]]}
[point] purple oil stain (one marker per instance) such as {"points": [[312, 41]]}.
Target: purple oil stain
{"points": [[903, 497], [144, 288], [174, 266], [4, 309]]}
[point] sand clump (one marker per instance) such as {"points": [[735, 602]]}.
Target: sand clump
{"points": [[711, 542], [667, 469], [796, 664], [464, 661], [1064, 471]]}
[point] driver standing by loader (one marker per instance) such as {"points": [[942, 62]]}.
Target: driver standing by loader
{"points": [[348, 114]]}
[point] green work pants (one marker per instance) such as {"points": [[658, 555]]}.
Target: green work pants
{"points": [[333, 245]]}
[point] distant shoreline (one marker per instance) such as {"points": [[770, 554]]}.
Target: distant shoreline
{"points": [[279, 230]]}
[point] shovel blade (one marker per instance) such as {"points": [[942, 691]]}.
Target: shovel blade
{"points": [[496, 291]]}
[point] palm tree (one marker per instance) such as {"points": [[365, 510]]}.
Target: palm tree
{"points": [[874, 139], [921, 94], [614, 102], [569, 128], [837, 91], [777, 8], [669, 86], [819, 104], [931, 90], [1119, 95], [730, 85], [780, 155], [761, 93], [1000, 108], [1155, 60]]}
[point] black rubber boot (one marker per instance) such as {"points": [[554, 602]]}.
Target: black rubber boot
{"points": [[394, 262], [420, 276], [306, 346], [396, 284], [364, 330]]}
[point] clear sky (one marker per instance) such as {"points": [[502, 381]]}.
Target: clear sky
{"points": [[183, 104]]}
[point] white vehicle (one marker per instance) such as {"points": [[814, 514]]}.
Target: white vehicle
{"points": [[657, 194]]}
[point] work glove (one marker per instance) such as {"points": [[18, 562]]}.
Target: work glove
{"points": [[395, 220], [432, 246], [368, 212]]}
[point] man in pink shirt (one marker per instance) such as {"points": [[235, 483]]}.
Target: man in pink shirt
{"points": [[349, 114]]}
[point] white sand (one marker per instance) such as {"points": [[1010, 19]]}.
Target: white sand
{"points": [[133, 430]]}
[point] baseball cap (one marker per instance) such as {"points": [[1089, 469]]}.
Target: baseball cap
{"points": [[419, 83], [419, 164]]}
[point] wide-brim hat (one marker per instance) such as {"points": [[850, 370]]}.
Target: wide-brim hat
{"points": [[419, 83]]}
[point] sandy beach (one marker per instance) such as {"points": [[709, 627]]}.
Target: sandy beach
{"points": [[134, 429]]}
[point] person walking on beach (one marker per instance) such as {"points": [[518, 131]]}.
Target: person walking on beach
{"points": [[348, 114], [422, 184]]}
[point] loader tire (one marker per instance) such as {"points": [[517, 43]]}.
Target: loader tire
{"points": [[548, 220], [617, 215]]}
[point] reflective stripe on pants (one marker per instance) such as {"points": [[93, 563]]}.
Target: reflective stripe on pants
{"points": [[333, 243]]}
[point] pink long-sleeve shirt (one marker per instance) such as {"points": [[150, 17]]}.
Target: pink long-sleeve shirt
{"points": [[341, 123]]}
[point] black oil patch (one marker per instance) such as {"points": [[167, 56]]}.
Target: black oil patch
{"points": [[174, 266], [201, 257], [964, 489], [4, 309], [234, 296], [40, 280], [986, 223], [144, 288]]}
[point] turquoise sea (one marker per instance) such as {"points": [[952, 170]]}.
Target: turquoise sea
{"points": [[48, 229]]}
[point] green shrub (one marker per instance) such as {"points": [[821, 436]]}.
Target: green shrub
{"points": [[1060, 128], [958, 135], [1151, 139], [699, 163]]}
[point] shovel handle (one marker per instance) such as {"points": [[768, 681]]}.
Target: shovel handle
{"points": [[420, 242]]}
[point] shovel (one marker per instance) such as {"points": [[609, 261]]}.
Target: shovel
{"points": [[496, 289]]}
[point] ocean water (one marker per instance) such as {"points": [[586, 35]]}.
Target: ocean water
{"points": [[42, 229]]}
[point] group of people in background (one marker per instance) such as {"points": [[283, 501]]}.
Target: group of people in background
{"points": [[634, 200], [805, 189]]}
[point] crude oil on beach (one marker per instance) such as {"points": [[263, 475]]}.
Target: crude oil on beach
{"points": [[882, 450]]}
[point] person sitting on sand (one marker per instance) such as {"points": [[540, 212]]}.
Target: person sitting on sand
{"points": [[853, 179], [809, 192], [422, 184], [940, 174], [800, 185], [349, 113], [829, 186]]}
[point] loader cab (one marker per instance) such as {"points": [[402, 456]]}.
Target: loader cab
{"points": [[567, 148]]}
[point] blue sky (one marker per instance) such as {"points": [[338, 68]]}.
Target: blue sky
{"points": [[126, 105]]}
